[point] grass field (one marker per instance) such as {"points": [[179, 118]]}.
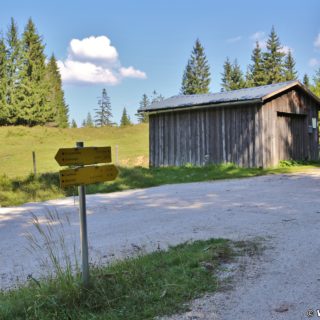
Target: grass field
{"points": [[17, 144]]}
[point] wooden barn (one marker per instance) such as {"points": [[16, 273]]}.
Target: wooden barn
{"points": [[253, 127]]}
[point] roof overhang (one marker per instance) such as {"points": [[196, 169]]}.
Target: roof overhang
{"points": [[260, 100], [203, 106], [290, 86]]}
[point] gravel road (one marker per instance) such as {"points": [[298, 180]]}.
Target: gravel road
{"points": [[283, 209]]}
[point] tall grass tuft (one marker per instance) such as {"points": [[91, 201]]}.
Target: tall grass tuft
{"points": [[49, 239]]}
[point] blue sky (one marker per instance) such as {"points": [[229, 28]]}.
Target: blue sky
{"points": [[134, 47]]}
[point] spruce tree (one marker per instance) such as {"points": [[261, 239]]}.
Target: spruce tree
{"points": [[56, 108], [273, 59], [248, 78], [237, 80], [89, 122], [196, 77], [289, 67], [155, 97], [315, 87], [103, 113], [33, 93], [125, 119], [226, 75], [256, 72], [187, 80], [13, 66], [232, 76], [74, 124], [143, 104], [3, 83], [306, 80]]}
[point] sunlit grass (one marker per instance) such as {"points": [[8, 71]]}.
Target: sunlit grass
{"points": [[17, 144]]}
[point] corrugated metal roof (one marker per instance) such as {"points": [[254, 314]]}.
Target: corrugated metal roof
{"points": [[247, 94]]}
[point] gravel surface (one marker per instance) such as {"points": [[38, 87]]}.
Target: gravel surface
{"points": [[284, 210]]}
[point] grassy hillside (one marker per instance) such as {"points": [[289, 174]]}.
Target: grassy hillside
{"points": [[17, 144]]}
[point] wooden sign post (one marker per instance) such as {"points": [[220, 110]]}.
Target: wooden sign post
{"points": [[83, 230], [81, 176]]}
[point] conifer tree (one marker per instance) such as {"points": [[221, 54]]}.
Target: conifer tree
{"points": [[315, 87], [56, 108], [226, 75], [103, 113], [196, 77], [256, 75], [232, 76], [289, 68], [3, 83], [74, 124], [306, 80], [155, 97], [248, 78], [125, 119], [237, 80], [144, 103], [273, 59], [32, 96], [13, 66], [33, 91], [89, 122]]}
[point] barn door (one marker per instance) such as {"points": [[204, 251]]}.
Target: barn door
{"points": [[292, 131]]}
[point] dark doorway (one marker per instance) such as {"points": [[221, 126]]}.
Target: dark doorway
{"points": [[292, 136]]}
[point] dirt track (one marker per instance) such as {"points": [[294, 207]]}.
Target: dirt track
{"points": [[283, 209]]}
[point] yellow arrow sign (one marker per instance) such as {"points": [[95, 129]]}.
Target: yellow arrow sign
{"points": [[87, 175], [82, 156]]}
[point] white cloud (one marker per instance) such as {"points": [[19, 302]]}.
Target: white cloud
{"points": [[313, 62], [93, 48], [86, 72], [130, 72], [259, 35], [286, 49], [261, 38], [262, 44], [94, 60], [316, 42], [233, 40]]}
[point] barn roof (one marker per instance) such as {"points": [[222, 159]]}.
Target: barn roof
{"points": [[256, 94]]}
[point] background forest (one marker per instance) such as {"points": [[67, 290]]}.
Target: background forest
{"points": [[30, 84]]}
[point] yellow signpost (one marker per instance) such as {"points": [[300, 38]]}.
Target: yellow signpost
{"points": [[80, 176], [87, 175], [83, 156]]}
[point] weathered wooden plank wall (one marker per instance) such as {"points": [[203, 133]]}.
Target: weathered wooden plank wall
{"points": [[211, 135], [285, 128]]}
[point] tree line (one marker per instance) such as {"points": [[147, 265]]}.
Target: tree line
{"points": [[103, 112], [30, 85], [270, 66]]}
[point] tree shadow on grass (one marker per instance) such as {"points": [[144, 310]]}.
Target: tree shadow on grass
{"points": [[47, 185]]}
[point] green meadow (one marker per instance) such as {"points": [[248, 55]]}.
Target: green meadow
{"points": [[17, 144]]}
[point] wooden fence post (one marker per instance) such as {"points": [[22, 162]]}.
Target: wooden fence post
{"points": [[34, 163]]}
